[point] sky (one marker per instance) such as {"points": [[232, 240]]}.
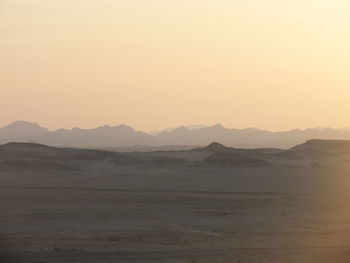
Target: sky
{"points": [[271, 64]]}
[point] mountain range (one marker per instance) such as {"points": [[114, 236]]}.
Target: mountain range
{"points": [[122, 137]]}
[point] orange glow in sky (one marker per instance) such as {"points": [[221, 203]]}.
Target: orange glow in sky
{"points": [[152, 64]]}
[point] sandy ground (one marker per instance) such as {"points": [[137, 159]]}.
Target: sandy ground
{"points": [[271, 214]]}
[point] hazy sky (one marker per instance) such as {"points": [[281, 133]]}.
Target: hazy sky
{"points": [[272, 64]]}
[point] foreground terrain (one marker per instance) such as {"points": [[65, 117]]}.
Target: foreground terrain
{"points": [[213, 204]]}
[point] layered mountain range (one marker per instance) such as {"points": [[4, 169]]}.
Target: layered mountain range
{"points": [[123, 137]]}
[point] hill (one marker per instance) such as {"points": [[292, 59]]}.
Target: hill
{"points": [[37, 156]]}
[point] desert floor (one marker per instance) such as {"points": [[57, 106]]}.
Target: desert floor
{"points": [[178, 215]]}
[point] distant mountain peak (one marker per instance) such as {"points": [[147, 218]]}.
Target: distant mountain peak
{"points": [[21, 130], [22, 124], [109, 128]]}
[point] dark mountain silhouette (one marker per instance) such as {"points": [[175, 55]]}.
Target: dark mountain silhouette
{"points": [[330, 146], [215, 147], [122, 136], [30, 156]]}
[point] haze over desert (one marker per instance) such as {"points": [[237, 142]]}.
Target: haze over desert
{"points": [[184, 131]]}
